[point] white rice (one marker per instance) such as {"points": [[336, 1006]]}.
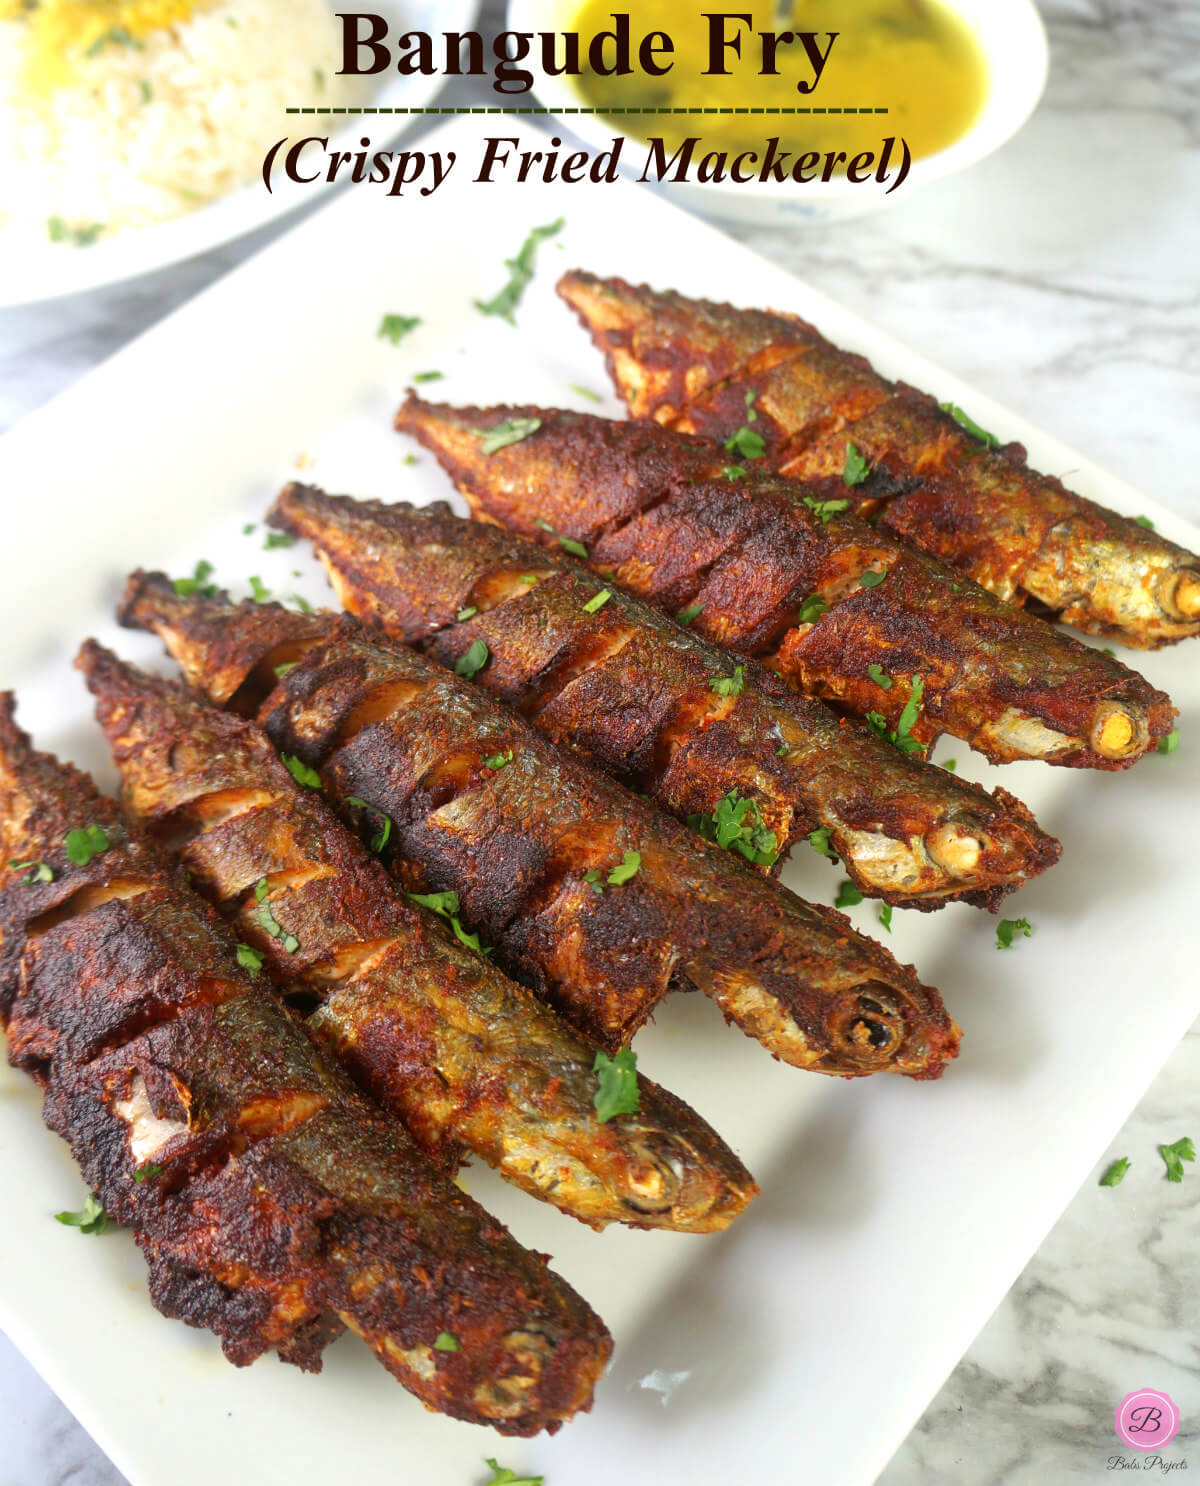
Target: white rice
{"points": [[138, 134]]}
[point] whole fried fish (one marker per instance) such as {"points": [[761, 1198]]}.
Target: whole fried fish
{"points": [[840, 609], [273, 1204], [629, 688], [602, 903], [929, 474], [469, 1060]]}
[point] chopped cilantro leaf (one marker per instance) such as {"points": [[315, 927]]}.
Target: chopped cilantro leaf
{"points": [[900, 737], [259, 591], [468, 613], [511, 431], [1170, 743], [301, 772], [586, 392], [855, 469], [92, 1218], [1114, 1175], [145, 90], [628, 867], [499, 760], [198, 583], [1009, 928], [729, 686], [60, 231], [847, 895], [878, 677], [284, 667], [751, 410], [616, 1084], [269, 922], [502, 1476], [530, 580], [84, 843], [1175, 1155], [819, 841], [1144, 521], [825, 509], [811, 609], [250, 527], [301, 603], [446, 905], [147, 1173], [988, 440], [250, 959], [872, 578], [747, 443], [429, 376], [395, 327], [114, 36], [685, 616], [520, 274], [568, 544], [380, 839], [446, 1342], [595, 880], [597, 601], [737, 825], [885, 916], [473, 660], [734, 471], [278, 539], [34, 872]]}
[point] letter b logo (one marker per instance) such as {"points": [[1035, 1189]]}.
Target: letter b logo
{"points": [[1146, 1419]]}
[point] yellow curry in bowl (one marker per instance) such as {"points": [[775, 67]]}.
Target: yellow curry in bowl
{"points": [[913, 57]]}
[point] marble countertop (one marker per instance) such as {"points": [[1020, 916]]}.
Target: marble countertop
{"points": [[1062, 276]]}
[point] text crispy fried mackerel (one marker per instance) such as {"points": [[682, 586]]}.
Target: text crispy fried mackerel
{"points": [[368, 49]]}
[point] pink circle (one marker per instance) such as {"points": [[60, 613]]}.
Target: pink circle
{"points": [[1147, 1419]]}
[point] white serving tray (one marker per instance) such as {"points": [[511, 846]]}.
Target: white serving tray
{"points": [[894, 1215]]}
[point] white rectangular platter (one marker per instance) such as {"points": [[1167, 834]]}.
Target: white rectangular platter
{"points": [[804, 1343]]}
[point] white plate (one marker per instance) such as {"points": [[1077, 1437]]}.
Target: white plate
{"points": [[894, 1215], [59, 269]]}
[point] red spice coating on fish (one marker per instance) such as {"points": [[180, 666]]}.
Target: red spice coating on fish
{"points": [[656, 511], [285, 1206], [470, 1061], [699, 367], [630, 689], [517, 844]]}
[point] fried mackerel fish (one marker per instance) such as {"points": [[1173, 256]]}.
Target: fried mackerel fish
{"points": [[632, 691], [273, 1204], [843, 611], [470, 1061], [929, 474], [593, 896]]}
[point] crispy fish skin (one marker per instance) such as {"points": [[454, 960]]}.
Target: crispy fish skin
{"points": [[275, 1204], [629, 689], [656, 512], [690, 364], [517, 844], [469, 1060]]}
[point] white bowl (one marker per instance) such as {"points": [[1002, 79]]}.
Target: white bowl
{"points": [[1009, 33]]}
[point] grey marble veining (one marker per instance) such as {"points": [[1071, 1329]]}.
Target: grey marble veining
{"points": [[1062, 276]]}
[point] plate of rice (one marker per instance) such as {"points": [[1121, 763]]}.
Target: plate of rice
{"points": [[135, 130]]}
